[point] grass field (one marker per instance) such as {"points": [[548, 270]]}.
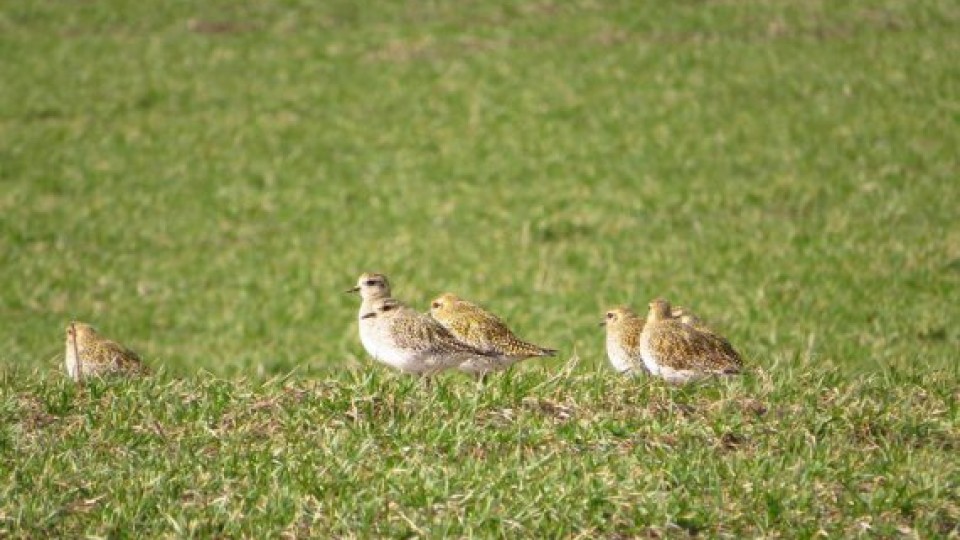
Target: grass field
{"points": [[202, 181]]}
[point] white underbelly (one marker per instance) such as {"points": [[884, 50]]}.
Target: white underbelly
{"points": [[681, 376], [618, 358], [383, 350], [71, 362], [649, 359]]}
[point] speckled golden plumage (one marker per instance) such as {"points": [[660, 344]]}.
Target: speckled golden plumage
{"points": [[399, 336], [418, 332], [624, 328], [483, 330], [90, 354], [681, 352]]}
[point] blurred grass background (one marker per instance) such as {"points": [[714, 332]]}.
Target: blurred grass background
{"points": [[202, 181]]}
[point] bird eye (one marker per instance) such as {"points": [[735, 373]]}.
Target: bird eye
{"points": [[610, 315], [369, 283], [436, 305], [387, 307]]}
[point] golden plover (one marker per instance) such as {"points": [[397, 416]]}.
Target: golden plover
{"points": [[90, 354], [624, 327], [401, 337], [477, 327], [680, 353]]}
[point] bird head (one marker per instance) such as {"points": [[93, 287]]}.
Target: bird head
{"points": [[80, 331], [659, 310], [615, 317], [443, 306], [371, 285]]}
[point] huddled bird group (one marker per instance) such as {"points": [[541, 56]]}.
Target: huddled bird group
{"points": [[670, 343], [456, 334]]}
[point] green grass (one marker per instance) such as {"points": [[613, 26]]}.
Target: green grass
{"points": [[794, 452], [201, 181]]}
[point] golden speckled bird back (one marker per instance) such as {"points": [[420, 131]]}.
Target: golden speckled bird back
{"points": [[480, 328], [680, 352]]}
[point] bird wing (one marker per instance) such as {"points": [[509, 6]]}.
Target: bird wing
{"points": [[493, 335], [681, 346], [121, 357], [424, 334]]}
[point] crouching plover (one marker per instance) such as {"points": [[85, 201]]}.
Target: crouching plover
{"points": [[90, 354], [482, 330], [681, 353]]}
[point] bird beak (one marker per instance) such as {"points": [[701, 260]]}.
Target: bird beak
{"points": [[353, 290], [602, 323], [368, 315]]}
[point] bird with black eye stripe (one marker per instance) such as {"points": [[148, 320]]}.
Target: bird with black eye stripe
{"points": [[371, 285]]}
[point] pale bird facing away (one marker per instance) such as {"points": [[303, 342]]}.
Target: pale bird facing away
{"points": [[372, 285], [477, 327], [624, 327], [681, 353], [90, 354], [401, 337]]}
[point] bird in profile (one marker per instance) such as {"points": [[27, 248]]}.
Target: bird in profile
{"points": [[482, 330], [90, 354], [680, 353], [403, 338], [371, 285], [624, 327]]}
